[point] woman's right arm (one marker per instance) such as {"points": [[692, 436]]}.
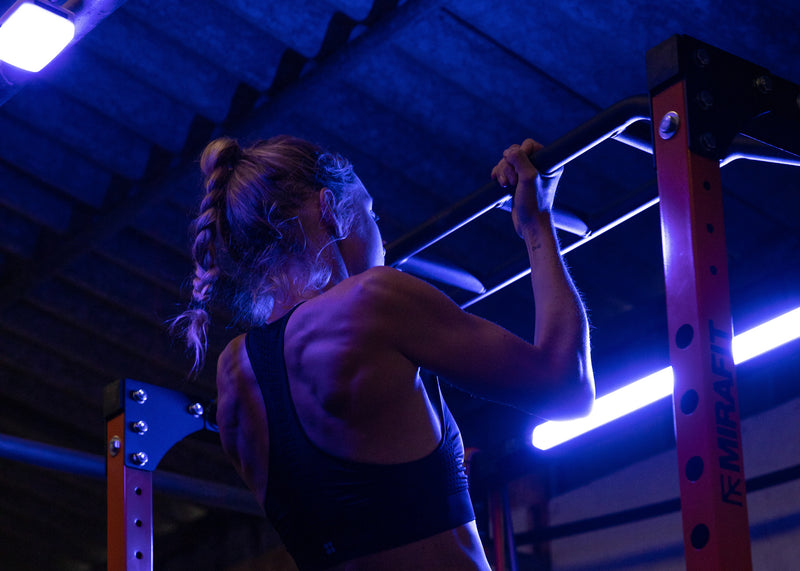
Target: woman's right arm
{"points": [[551, 376]]}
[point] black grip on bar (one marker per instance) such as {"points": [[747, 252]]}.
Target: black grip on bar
{"points": [[548, 160]]}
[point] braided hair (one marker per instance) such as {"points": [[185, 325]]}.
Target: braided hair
{"points": [[248, 231]]}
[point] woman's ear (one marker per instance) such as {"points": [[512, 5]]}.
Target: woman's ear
{"points": [[327, 208]]}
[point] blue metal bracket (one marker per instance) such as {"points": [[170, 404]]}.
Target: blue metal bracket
{"points": [[156, 419]]}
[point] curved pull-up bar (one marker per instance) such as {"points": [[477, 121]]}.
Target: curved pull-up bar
{"points": [[622, 122], [606, 124]]}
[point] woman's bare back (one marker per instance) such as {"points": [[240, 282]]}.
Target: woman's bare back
{"points": [[354, 400]]}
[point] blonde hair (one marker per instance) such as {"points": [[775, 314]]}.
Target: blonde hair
{"points": [[248, 230]]}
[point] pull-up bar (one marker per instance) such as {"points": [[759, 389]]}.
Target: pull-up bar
{"points": [[550, 159], [627, 122]]}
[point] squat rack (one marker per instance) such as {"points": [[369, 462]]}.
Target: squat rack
{"points": [[706, 108]]}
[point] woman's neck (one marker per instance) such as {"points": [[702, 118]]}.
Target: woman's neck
{"points": [[281, 308], [329, 255]]}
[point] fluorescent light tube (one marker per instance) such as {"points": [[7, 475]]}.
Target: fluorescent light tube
{"points": [[606, 408], [32, 33], [658, 385], [766, 336]]}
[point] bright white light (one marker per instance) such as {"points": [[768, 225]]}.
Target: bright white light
{"points": [[32, 35], [606, 408], [766, 336], [659, 385]]}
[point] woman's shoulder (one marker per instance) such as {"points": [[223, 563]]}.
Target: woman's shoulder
{"points": [[377, 276], [359, 307], [386, 285], [233, 351], [237, 387], [233, 364]]}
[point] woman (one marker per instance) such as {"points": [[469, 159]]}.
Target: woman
{"points": [[321, 406]]}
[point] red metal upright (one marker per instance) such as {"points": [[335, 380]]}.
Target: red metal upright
{"points": [[130, 506], [712, 483]]}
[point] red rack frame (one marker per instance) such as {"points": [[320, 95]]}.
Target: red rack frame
{"points": [[130, 505], [712, 485]]}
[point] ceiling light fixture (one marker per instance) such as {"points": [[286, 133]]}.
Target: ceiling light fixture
{"points": [[33, 32], [658, 385]]}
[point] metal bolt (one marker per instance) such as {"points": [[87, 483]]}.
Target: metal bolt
{"points": [[705, 100], [139, 458], [139, 427], [764, 84], [709, 141], [139, 395], [701, 57], [669, 125], [195, 409], [114, 445]]}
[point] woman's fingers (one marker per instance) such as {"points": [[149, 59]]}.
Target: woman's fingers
{"points": [[516, 160]]}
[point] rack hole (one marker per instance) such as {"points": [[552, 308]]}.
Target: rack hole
{"points": [[700, 536], [684, 336], [689, 401], [694, 468]]}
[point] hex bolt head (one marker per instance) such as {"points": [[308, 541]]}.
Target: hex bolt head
{"points": [[764, 84], [114, 445], [139, 458], [195, 409], [139, 427], [139, 395], [705, 100], [709, 141], [701, 57], [669, 125]]}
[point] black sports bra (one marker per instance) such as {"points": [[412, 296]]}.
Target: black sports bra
{"points": [[327, 509]]}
